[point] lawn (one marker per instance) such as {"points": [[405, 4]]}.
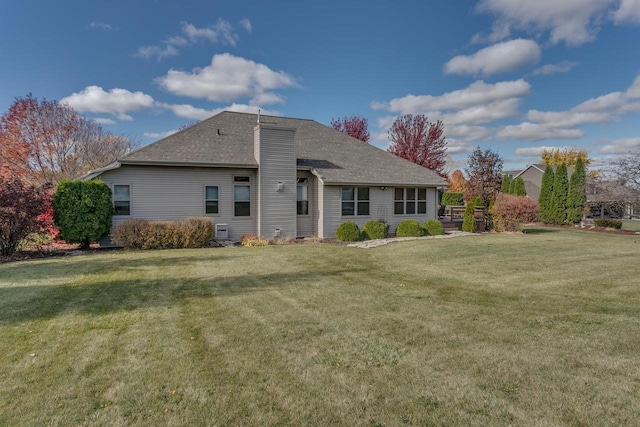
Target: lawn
{"points": [[631, 224], [515, 329]]}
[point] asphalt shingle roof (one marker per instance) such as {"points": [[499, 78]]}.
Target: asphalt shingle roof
{"points": [[226, 140]]}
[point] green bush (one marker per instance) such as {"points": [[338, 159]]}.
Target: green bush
{"points": [[348, 232], [433, 227], [452, 199], [409, 228], [144, 234], [82, 211], [608, 223], [375, 230], [469, 221]]}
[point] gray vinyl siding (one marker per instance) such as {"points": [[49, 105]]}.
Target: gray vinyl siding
{"points": [[380, 208], [277, 163], [175, 193], [307, 224]]}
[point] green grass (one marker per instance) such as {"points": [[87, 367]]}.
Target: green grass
{"points": [[630, 224], [532, 329]]}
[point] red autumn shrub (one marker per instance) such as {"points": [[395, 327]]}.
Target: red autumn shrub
{"points": [[45, 219], [20, 205], [510, 212]]}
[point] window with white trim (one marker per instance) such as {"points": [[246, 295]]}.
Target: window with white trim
{"points": [[302, 197], [211, 201], [355, 201], [241, 196], [122, 199], [409, 201]]}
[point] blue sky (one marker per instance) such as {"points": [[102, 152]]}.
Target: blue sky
{"points": [[510, 75]]}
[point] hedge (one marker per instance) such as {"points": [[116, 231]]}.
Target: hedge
{"points": [[452, 199], [433, 227], [145, 234], [348, 232]]}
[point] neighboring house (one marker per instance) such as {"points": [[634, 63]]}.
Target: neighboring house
{"points": [[532, 177], [270, 176]]}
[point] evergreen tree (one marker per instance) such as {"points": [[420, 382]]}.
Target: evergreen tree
{"points": [[558, 205], [506, 184], [546, 190], [577, 196], [517, 187]]}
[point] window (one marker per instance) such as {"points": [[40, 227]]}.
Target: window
{"points": [[122, 199], [355, 201], [302, 197], [241, 196], [211, 200], [410, 201]]}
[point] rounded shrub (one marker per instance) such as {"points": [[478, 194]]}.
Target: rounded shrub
{"points": [[375, 230], [348, 232], [82, 211], [433, 227], [409, 228]]}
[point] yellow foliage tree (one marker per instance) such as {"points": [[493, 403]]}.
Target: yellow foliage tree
{"points": [[568, 156]]}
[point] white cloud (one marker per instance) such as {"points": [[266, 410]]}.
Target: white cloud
{"points": [[104, 121], [573, 22], [228, 78], [560, 67], [159, 135], [498, 58], [532, 151], [102, 26], [222, 32], [478, 114], [629, 12], [477, 93], [246, 24], [567, 119], [634, 90], [188, 111], [621, 146], [536, 132], [157, 52], [500, 31], [467, 132], [118, 102]]}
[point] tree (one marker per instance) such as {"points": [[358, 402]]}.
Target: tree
{"points": [[45, 141], [557, 156], [457, 182], [544, 199], [517, 187], [82, 211], [354, 126], [485, 175], [627, 168], [577, 195], [21, 205], [558, 203], [416, 139], [505, 188]]}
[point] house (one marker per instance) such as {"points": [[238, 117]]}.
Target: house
{"points": [[532, 177], [270, 176]]}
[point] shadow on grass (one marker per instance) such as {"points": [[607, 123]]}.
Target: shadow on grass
{"points": [[29, 303], [541, 230], [94, 263]]}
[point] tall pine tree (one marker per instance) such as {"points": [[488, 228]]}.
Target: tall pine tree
{"points": [[544, 199], [558, 205], [577, 196], [517, 187], [506, 184]]}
